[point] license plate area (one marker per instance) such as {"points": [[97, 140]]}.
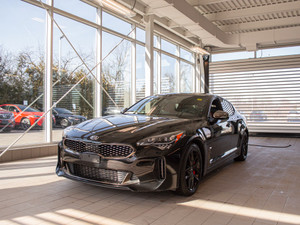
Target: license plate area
{"points": [[93, 158]]}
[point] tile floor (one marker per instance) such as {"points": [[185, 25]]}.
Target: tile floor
{"points": [[263, 190]]}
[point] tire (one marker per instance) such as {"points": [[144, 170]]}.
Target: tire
{"points": [[64, 123], [190, 171], [244, 149], [25, 123]]}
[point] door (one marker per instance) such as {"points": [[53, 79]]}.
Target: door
{"points": [[222, 130]]}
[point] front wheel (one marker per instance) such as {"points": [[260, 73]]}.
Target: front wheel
{"points": [[190, 171], [244, 149], [25, 123]]}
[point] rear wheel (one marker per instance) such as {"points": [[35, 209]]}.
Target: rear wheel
{"points": [[191, 171], [25, 123], [244, 149]]}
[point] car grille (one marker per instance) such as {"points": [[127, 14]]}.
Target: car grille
{"points": [[105, 150], [98, 174]]}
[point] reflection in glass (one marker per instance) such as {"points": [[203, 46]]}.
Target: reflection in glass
{"points": [[186, 77], [68, 69], [140, 72], [21, 70], [168, 74], [116, 72]]}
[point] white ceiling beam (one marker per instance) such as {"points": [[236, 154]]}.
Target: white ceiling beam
{"points": [[205, 2], [261, 24], [261, 10], [278, 36]]}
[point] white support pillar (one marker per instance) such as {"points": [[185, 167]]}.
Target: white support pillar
{"points": [[97, 86], [149, 55], [198, 74], [177, 71], [202, 75], [133, 66], [158, 66], [48, 73]]}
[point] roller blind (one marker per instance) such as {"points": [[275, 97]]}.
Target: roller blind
{"points": [[266, 91]]}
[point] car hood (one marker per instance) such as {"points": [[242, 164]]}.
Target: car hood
{"points": [[130, 128]]}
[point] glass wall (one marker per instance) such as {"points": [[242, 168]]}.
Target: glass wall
{"points": [[68, 69], [22, 65], [121, 41]]}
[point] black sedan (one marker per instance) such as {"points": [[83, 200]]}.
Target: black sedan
{"points": [[65, 118], [163, 142]]}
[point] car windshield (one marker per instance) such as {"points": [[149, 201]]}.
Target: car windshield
{"points": [[22, 107], [62, 111], [183, 106]]}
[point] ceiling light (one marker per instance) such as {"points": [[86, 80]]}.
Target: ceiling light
{"points": [[199, 50], [117, 7]]}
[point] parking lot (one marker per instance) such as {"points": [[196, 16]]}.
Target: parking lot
{"points": [[32, 137]]}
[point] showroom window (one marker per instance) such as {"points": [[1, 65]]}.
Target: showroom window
{"points": [[23, 63], [21, 70]]}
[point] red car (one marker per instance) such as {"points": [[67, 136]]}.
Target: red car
{"points": [[7, 121], [24, 119]]}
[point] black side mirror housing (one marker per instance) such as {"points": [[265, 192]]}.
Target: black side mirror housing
{"points": [[220, 115]]}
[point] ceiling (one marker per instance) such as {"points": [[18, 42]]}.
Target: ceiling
{"points": [[227, 24]]}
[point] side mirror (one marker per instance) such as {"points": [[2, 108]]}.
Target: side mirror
{"points": [[220, 115], [16, 111], [123, 110]]}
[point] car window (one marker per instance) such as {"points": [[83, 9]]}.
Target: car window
{"points": [[174, 105], [227, 107], [215, 106], [13, 109], [4, 107]]}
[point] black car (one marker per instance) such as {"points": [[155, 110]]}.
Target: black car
{"points": [[65, 118], [163, 142]]}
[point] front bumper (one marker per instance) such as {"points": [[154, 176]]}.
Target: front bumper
{"points": [[146, 174]]}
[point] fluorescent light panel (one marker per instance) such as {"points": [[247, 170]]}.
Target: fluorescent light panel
{"points": [[117, 7]]}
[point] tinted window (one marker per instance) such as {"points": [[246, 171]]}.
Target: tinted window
{"points": [[173, 105], [13, 109], [22, 107], [227, 107], [62, 111]]}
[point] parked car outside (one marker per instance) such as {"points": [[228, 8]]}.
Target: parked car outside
{"points": [[163, 142], [294, 116], [65, 117], [25, 118], [7, 121], [258, 116]]}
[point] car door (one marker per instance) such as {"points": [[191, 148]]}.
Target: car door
{"points": [[221, 131]]}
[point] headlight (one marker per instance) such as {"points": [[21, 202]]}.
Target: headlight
{"points": [[36, 116], [66, 130], [71, 118], [163, 142]]}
